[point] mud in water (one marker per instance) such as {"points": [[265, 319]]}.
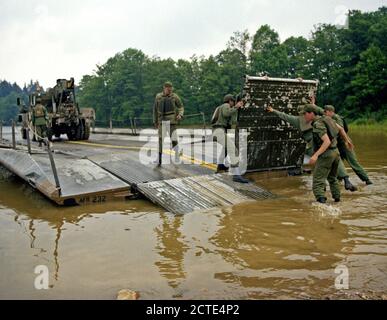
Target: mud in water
{"points": [[289, 247]]}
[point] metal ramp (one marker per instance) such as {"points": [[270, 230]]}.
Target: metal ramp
{"points": [[184, 195], [81, 181], [99, 178], [127, 167]]}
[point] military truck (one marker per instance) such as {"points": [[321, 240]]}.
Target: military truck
{"points": [[65, 116]]}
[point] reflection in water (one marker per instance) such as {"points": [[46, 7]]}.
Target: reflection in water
{"points": [[32, 211], [283, 248], [171, 249]]}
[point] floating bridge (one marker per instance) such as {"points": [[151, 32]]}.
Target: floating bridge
{"points": [[108, 168]]}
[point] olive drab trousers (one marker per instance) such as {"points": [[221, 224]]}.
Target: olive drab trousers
{"points": [[351, 158], [41, 132], [326, 169], [228, 147], [166, 129]]}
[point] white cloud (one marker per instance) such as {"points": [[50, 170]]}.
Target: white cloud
{"points": [[45, 40]]}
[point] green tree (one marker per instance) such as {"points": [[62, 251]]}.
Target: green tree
{"points": [[266, 54], [369, 85]]}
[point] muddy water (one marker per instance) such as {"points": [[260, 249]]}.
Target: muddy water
{"points": [[283, 248]]}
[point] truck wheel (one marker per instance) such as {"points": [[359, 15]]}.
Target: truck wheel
{"points": [[49, 134], [86, 134], [56, 131], [71, 133], [79, 131]]}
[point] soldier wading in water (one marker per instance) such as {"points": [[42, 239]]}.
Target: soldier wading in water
{"points": [[326, 156]]}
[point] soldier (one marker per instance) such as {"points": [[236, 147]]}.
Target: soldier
{"points": [[167, 107], [39, 121], [307, 135], [326, 155], [299, 123], [226, 117], [345, 153]]}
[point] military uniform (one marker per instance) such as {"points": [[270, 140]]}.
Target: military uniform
{"points": [[327, 163], [39, 120], [299, 123], [167, 108], [307, 135], [227, 119], [348, 155]]}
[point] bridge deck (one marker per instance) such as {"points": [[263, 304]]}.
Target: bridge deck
{"points": [[97, 172]]}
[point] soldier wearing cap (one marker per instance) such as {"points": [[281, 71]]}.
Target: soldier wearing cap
{"points": [[299, 123], [39, 120], [169, 109], [307, 135], [326, 156], [226, 117], [345, 153]]}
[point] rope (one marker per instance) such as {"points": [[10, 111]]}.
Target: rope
{"points": [[45, 140], [34, 132]]}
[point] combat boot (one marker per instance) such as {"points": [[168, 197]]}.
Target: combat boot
{"points": [[322, 200], [368, 182], [178, 154], [237, 177], [348, 185], [337, 200], [159, 160], [221, 168]]}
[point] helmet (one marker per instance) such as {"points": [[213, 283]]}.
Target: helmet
{"points": [[228, 97], [311, 108], [329, 108]]}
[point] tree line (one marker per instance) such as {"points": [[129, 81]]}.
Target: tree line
{"points": [[350, 63], [9, 92]]}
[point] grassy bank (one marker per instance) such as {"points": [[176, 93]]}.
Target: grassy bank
{"points": [[369, 125]]}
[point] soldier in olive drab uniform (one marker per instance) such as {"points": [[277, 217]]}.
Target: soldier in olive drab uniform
{"points": [[167, 108], [307, 135], [39, 121], [326, 156], [345, 153], [226, 117], [299, 123]]}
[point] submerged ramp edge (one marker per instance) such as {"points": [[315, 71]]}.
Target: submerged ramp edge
{"points": [[184, 195], [81, 181], [178, 189]]}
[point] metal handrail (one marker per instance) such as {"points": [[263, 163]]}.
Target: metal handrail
{"points": [[13, 135], [49, 152], [134, 121], [53, 167]]}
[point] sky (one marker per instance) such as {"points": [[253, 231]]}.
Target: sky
{"points": [[49, 39]]}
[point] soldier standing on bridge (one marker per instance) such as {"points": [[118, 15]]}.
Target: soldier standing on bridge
{"points": [[39, 121], [224, 118], [168, 110]]}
